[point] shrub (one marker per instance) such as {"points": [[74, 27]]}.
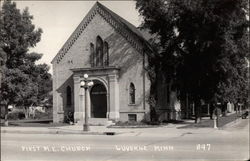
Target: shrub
{"points": [[2, 112], [43, 115], [69, 117], [16, 115]]}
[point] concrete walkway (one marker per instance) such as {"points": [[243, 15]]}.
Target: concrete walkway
{"points": [[169, 130]]}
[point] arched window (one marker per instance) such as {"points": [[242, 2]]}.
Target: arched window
{"points": [[68, 92], [106, 54], [131, 93], [99, 51], [92, 55]]}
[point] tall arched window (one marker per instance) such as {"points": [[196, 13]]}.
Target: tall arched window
{"points": [[92, 55], [99, 51], [106, 53], [131, 93], [68, 92]]}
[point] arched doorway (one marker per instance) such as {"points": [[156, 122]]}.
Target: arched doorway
{"points": [[98, 95]]}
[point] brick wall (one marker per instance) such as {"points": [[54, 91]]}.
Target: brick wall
{"points": [[121, 54]]}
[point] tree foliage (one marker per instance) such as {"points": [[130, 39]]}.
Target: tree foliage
{"points": [[18, 33], [24, 83], [202, 45]]}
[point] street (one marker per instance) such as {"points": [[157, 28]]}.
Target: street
{"points": [[230, 144]]}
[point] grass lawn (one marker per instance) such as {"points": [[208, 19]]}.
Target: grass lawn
{"points": [[210, 123], [33, 123]]}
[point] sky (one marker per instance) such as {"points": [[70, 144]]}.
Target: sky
{"points": [[58, 20]]}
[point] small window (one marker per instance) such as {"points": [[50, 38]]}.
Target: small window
{"points": [[131, 93], [69, 101], [132, 117]]}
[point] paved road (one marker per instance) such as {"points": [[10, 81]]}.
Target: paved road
{"points": [[230, 144]]}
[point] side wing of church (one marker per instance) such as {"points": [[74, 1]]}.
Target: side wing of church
{"points": [[114, 55]]}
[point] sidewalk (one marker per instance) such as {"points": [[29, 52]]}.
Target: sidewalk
{"points": [[169, 130], [69, 129]]}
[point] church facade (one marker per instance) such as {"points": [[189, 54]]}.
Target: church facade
{"points": [[114, 54]]}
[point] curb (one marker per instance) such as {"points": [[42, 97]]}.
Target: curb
{"points": [[132, 127], [59, 132]]}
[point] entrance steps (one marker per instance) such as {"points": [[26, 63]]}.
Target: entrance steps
{"points": [[97, 122]]}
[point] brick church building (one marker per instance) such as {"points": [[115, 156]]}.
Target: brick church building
{"points": [[114, 54]]}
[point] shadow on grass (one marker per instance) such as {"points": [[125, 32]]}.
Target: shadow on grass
{"points": [[33, 123], [174, 122], [153, 124], [210, 123]]}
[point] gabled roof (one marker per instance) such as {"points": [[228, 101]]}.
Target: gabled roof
{"points": [[126, 29]]}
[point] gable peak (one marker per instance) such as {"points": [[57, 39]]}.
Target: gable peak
{"points": [[122, 26]]}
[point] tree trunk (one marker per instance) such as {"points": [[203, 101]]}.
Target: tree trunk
{"points": [[197, 111], [211, 109], [26, 112], [34, 113], [6, 123]]}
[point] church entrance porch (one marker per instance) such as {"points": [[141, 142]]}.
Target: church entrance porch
{"points": [[102, 97], [98, 97]]}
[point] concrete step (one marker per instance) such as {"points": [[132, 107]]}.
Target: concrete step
{"points": [[97, 121]]}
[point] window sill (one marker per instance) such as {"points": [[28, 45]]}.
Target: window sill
{"points": [[131, 104]]}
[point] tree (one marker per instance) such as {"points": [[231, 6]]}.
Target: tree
{"points": [[18, 34], [44, 80], [203, 46], [38, 82], [2, 63], [162, 65]]}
